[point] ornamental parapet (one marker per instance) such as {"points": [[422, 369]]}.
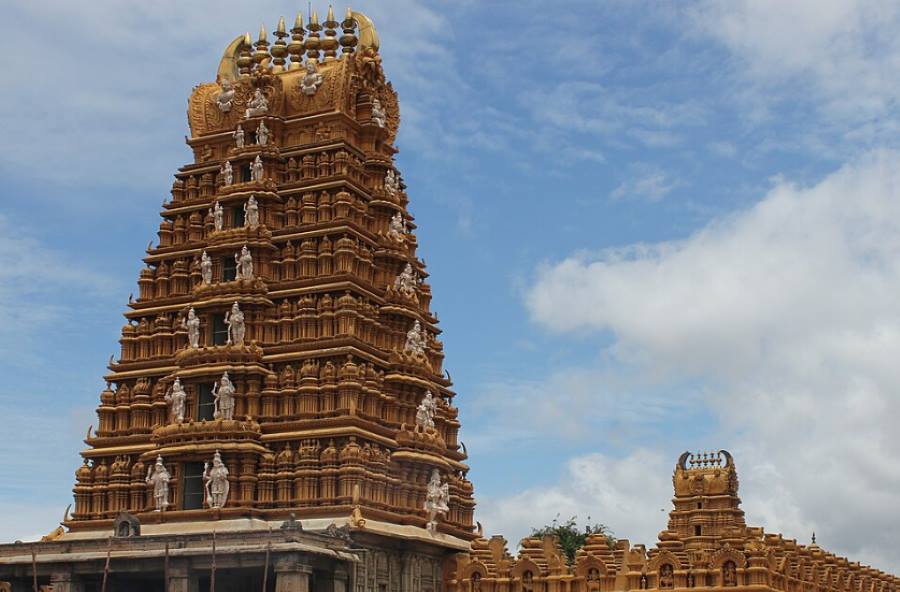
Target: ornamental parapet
{"points": [[267, 184], [231, 290], [218, 431], [417, 437], [259, 236], [219, 355]]}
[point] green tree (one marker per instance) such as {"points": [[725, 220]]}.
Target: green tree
{"points": [[571, 537]]}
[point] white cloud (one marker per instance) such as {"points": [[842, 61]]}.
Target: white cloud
{"points": [[787, 317], [626, 494], [649, 185], [845, 54]]}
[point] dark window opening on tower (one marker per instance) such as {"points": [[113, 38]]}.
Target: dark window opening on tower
{"points": [[237, 217], [205, 403], [698, 530], [229, 269], [219, 329], [246, 175], [192, 498]]}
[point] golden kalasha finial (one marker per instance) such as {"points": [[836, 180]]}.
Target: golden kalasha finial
{"points": [[279, 48], [330, 43], [313, 43], [261, 55], [244, 58], [295, 47], [348, 39]]}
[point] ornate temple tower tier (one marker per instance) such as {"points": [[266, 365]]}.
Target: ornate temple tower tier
{"points": [[281, 356]]}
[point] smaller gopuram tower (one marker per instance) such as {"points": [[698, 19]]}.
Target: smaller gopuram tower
{"points": [[707, 507]]}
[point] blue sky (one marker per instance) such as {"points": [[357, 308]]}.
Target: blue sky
{"points": [[651, 227]]}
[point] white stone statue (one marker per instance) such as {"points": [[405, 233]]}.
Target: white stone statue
{"points": [[425, 412], [251, 213], [262, 134], [206, 267], [391, 183], [235, 321], [397, 228], [218, 213], [224, 398], [192, 324], [244, 264], [258, 169], [378, 115], [437, 500], [415, 340], [311, 81], [258, 105], [158, 477], [177, 397], [406, 282], [227, 173], [238, 136], [216, 481], [225, 98]]}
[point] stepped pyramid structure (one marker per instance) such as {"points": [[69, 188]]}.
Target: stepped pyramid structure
{"points": [[280, 368]]}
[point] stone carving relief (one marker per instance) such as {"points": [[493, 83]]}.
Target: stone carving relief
{"points": [[238, 136], [415, 340], [437, 500], [251, 213], [218, 214], [192, 324], [425, 412], [223, 392], [258, 105], [225, 98], [177, 398], [262, 134], [158, 479], [235, 321], [244, 264], [397, 228], [227, 173], [311, 81], [257, 169], [215, 479], [206, 267]]}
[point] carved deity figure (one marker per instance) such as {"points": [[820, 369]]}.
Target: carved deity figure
{"points": [[405, 283], [378, 114], [437, 500], [177, 397], [225, 98], [311, 81], [397, 228], [224, 398], [262, 134], [244, 264], [215, 479], [425, 412], [158, 477], [227, 173], [666, 576], [415, 340], [218, 213], [235, 321], [192, 324], [251, 213], [391, 183], [258, 105], [238, 136], [729, 574], [257, 169], [206, 267]]}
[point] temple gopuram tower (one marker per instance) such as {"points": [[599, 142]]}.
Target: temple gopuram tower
{"points": [[280, 380]]}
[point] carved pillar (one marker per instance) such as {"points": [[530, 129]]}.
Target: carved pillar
{"points": [[341, 579], [65, 582], [291, 574], [180, 578]]}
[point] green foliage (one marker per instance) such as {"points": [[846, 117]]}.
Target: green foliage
{"points": [[571, 537]]}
